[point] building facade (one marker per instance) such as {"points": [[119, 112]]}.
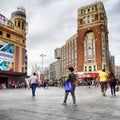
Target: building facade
{"points": [[88, 50], [117, 72], [13, 57], [54, 70], [69, 54], [92, 38]]}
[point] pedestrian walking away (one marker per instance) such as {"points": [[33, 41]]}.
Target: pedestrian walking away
{"points": [[103, 78], [33, 83], [112, 84], [70, 77]]}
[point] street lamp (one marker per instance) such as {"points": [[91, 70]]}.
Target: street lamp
{"points": [[42, 55]]}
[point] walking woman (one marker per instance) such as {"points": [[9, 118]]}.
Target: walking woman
{"points": [[112, 84], [70, 77], [33, 83]]}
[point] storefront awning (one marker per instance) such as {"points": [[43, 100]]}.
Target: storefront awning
{"points": [[91, 75], [87, 75], [11, 73]]}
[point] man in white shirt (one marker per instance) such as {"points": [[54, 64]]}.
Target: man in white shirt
{"points": [[33, 83]]}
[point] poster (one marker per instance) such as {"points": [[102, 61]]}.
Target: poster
{"points": [[6, 56]]}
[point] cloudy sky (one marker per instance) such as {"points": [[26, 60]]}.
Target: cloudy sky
{"points": [[52, 22]]}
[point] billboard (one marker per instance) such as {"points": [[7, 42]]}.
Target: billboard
{"points": [[6, 56]]}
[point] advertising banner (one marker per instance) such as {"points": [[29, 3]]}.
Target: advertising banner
{"points": [[6, 56]]}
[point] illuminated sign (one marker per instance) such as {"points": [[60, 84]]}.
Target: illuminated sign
{"points": [[6, 56]]}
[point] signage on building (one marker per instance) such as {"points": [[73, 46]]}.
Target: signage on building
{"points": [[3, 19], [6, 56]]}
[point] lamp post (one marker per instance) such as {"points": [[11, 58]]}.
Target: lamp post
{"points": [[42, 55]]}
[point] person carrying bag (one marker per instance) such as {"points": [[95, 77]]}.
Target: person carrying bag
{"points": [[69, 86]]}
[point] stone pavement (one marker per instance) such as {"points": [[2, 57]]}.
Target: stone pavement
{"points": [[18, 104]]}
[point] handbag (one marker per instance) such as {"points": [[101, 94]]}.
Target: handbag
{"points": [[68, 86]]}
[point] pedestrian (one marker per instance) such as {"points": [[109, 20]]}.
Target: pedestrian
{"points": [[44, 84], [70, 77], [96, 82], [112, 84], [103, 78], [88, 82], [33, 83]]}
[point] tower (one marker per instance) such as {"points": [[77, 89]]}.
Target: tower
{"points": [[19, 19], [92, 39]]}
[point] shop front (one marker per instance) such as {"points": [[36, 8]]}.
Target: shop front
{"points": [[7, 78]]}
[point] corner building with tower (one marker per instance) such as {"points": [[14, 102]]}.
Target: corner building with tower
{"points": [[13, 57], [88, 50]]}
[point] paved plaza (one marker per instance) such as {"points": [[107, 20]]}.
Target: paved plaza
{"points": [[18, 104]]}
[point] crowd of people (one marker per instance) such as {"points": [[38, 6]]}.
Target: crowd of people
{"points": [[104, 80]]}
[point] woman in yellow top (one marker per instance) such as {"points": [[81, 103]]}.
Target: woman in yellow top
{"points": [[103, 78]]}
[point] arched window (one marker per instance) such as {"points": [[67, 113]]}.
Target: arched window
{"points": [[89, 47], [18, 23]]}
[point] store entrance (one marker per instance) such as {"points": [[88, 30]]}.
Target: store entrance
{"points": [[3, 82]]}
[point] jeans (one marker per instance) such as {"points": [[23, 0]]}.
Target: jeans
{"points": [[33, 86], [112, 87]]}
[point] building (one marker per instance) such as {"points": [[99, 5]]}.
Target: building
{"points": [[112, 63], [69, 54], [46, 73], [13, 53], [117, 72], [54, 70], [92, 38], [88, 50]]}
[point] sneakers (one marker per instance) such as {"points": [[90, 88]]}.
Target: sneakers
{"points": [[63, 103], [104, 94], [74, 104]]}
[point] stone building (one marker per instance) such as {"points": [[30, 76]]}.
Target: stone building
{"points": [[13, 57]]}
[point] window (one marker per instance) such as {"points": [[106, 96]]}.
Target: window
{"points": [[8, 35], [85, 68], [84, 11], [1, 32], [22, 25], [22, 69], [15, 23], [89, 47], [104, 66], [94, 68], [89, 61], [90, 68], [88, 10], [88, 21], [93, 18], [92, 8], [23, 41], [18, 23]]}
